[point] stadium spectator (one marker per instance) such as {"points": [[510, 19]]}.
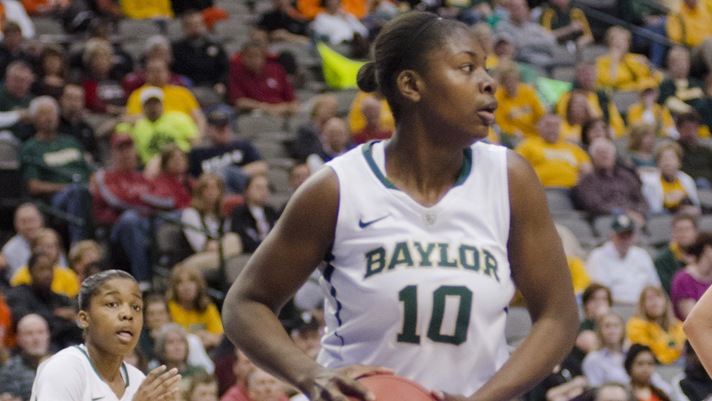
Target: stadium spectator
{"points": [[519, 108], [308, 140], [254, 219], [654, 324], [33, 341], [54, 168], [696, 157], [175, 97], [621, 70], [371, 110], [694, 384], [610, 188], [13, 46], [255, 84], [72, 121], [335, 140], [156, 46], [558, 163], [679, 91], [647, 110], [336, 25], [568, 24], [600, 103], [159, 126], [690, 283], [39, 298], [14, 254], [641, 147], [232, 159], [674, 256], [198, 57], [52, 72], [688, 24], [283, 23], [101, 81], [82, 256], [64, 280], [234, 381], [15, 95], [621, 265], [669, 190], [535, 45]]}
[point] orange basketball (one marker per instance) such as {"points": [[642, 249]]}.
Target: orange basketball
{"points": [[395, 388]]}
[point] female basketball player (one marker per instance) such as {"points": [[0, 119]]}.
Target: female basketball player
{"points": [[698, 327], [423, 236], [111, 315]]}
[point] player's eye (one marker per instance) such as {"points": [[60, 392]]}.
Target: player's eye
{"points": [[137, 308], [468, 67], [112, 304]]}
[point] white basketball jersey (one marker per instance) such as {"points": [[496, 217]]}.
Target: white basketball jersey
{"points": [[422, 290], [70, 375]]}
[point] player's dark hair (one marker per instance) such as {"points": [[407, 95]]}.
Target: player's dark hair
{"points": [[91, 285], [404, 43]]}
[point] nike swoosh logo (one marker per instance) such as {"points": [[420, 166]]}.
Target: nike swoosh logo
{"points": [[364, 224], [96, 398]]}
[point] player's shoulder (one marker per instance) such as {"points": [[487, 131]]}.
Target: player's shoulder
{"points": [[70, 359]]}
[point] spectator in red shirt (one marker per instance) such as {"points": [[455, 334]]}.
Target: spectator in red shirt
{"points": [[123, 197], [256, 84]]}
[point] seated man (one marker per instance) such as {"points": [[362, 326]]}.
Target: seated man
{"points": [[122, 198], [175, 97], [55, 170], [232, 159], [256, 84], [198, 57], [557, 163], [17, 376], [610, 188], [14, 254], [158, 126], [621, 265]]}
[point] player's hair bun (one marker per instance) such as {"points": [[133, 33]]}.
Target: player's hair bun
{"points": [[366, 78]]}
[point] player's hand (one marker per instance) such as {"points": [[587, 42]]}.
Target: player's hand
{"points": [[159, 385], [338, 384]]}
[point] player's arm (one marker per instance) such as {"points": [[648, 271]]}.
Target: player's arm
{"points": [[280, 265], [698, 327], [540, 272]]}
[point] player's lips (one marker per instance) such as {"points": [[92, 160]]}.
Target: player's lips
{"points": [[125, 334], [486, 112]]}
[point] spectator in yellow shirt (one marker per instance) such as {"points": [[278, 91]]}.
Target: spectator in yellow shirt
{"points": [[601, 104], [519, 107], [654, 324], [620, 70], [64, 281], [648, 111], [190, 306], [690, 26], [557, 163]]}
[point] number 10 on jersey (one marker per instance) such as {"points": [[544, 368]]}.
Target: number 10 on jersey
{"points": [[409, 297]]}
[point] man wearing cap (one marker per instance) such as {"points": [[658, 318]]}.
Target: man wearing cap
{"points": [[158, 127], [175, 97], [621, 265], [232, 159], [122, 198], [54, 168]]}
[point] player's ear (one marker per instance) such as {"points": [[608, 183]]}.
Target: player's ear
{"points": [[83, 319], [409, 85]]}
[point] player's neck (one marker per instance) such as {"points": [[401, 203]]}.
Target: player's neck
{"points": [[107, 366], [424, 172]]}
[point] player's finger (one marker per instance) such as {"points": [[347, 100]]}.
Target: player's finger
{"points": [[153, 374], [438, 395], [351, 387], [357, 371]]}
